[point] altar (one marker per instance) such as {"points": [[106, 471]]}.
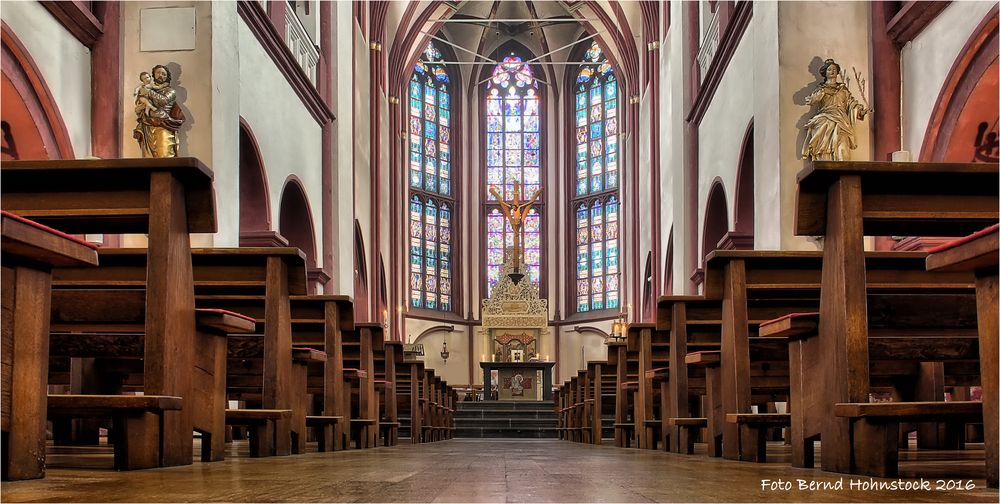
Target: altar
{"points": [[517, 381], [514, 322]]}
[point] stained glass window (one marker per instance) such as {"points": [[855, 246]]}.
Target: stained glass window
{"points": [[431, 178], [513, 155], [595, 202]]}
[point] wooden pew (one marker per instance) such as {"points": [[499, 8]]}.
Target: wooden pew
{"points": [[387, 356], [408, 381], [738, 277], [360, 403], [30, 251], [106, 324], [624, 424], [165, 198], [844, 201], [978, 253], [228, 279], [601, 392]]}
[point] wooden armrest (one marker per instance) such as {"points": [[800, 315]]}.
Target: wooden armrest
{"points": [[106, 405], [224, 321], [970, 411], [791, 326]]}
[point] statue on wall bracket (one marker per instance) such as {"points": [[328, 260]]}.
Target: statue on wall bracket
{"points": [[830, 134], [158, 116]]}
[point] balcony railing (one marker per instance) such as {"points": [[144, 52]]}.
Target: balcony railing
{"points": [[709, 45], [302, 47]]}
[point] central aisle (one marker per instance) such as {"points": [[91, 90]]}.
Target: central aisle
{"points": [[487, 470]]}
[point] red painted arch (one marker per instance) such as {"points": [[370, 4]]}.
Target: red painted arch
{"points": [[743, 219], [716, 218], [34, 127], [295, 220], [255, 201], [968, 97]]}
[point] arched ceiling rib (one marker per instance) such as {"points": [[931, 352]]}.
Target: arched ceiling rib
{"points": [[541, 26]]}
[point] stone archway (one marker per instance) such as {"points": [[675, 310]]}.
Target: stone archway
{"points": [[716, 220], [295, 223]]}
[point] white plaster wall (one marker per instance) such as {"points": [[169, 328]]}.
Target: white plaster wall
{"points": [[801, 50], [290, 139], [644, 211], [64, 64], [343, 152], [361, 130], [670, 128], [721, 132], [673, 178], [925, 62], [763, 31], [578, 348], [456, 370], [225, 113]]}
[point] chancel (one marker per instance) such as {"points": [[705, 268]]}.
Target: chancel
{"points": [[500, 250]]}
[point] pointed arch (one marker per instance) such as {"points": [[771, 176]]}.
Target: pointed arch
{"points": [[668, 266], [512, 110], [716, 218], [360, 275], [741, 237], [33, 127], [295, 220], [255, 200], [593, 125], [961, 115]]}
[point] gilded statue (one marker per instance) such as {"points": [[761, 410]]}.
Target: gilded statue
{"points": [[157, 114], [830, 134], [516, 211]]}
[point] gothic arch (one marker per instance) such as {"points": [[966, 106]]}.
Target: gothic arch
{"points": [[360, 275], [295, 221], [32, 126], [966, 99], [716, 221], [668, 266], [255, 201]]}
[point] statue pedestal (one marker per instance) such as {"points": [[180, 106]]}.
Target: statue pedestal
{"points": [[517, 381]]}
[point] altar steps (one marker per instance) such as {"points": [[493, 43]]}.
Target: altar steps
{"points": [[506, 419]]}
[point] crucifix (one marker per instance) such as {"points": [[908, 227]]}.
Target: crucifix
{"points": [[515, 210]]}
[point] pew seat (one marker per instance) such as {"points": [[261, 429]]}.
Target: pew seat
{"points": [[135, 423], [686, 428], [877, 424], [261, 423], [323, 425], [754, 426]]}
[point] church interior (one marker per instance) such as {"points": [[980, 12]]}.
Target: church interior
{"points": [[500, 251]]}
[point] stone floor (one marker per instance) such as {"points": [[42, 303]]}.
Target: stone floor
{"points": [[463, 471]]}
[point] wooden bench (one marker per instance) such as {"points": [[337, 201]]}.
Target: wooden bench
{"points": [[302, 359], [978, 253], [263, 427], [877, 424], [165, 198], [845, 201], [136, 428], [30, 250]]}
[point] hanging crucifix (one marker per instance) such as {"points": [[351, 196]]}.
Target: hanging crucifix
{"points": [[515, 210]]}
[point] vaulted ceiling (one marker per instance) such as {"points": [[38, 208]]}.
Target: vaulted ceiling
{"points": [[476, 32]]}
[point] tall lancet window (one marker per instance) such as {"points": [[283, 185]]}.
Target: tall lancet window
{"points": [[595, 197], [513, 155], [432, 199]]}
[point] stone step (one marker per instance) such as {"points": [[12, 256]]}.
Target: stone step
{"points": [[503, 414], [505, 433], [506, 422], [505, 405]]}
